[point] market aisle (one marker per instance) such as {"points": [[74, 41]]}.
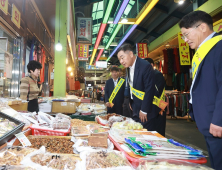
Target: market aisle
{"points": [[186, 132]]}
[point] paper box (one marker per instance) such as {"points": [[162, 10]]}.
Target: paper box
{"points": [[63, 107]]}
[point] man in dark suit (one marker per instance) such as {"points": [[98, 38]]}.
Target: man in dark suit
{"points": [[141, 82], [119, 98], [206, 88], [159, 87]]}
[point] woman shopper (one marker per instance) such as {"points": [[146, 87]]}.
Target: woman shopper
{"points": [[28, 86]]}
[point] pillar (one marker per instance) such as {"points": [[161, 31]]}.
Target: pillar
{"points": [[60, 56]]}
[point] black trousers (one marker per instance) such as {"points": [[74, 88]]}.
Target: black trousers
{"points": [[214, 146], [33, 105], [126, 109]]}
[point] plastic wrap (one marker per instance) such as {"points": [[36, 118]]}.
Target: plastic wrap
{"points": [[14, 155], [6, 126], [104, 160], [97, 107], [99, 112], [170, 165], [93, 128], [60, 115], [84, 108], [60, 123], [128, 125], [18, 167], [80, 131], [114, 119]]}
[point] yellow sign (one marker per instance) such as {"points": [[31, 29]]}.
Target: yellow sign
{"points": [[184, 51], [16, 16], [4, 6]]}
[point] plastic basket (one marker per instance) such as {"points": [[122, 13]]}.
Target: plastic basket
{"points": [[46, 132]]}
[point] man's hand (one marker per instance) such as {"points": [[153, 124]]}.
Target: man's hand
{"points": [[161, 112], [215, 130], [143, 117], [130, 107], [108, 104]]}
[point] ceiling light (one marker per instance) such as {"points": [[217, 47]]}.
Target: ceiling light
{"points": [[59, 46], [66, 61], [71, 73], [105, 51], [168, 44], [181, 2], [69, 68], [114, 44], [121, 10], [124, 20]]}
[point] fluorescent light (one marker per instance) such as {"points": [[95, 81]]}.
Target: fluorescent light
{"points": [[146, 9], [101, 47], [93, 55], [120, 12], [108, 10], [59, 46], [124, 20], [113, 35], [99, 55], [105, 51], [100, 34], [122, 41]]}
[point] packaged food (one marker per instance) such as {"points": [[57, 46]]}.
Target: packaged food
{"points": [[97, 107], [60, 115], [78, 122], [13, 155], [99, 112], [114, 160], [114, 119], [97, 128], [170, 165], [6, 126], [98, 141], [60, 123], [128, 125], [80, 131]]}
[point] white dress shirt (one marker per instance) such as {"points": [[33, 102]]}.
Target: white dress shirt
{"points": [[208, 38], [132, 69], [115, 82]]}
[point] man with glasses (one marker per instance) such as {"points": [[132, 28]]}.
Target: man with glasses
{"points": [[206, 88]]}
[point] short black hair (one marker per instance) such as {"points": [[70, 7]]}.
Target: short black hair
{"points": [[220, 32], [32, 65], [189, 20], [114, 69], [125, 47], [150, 60]]}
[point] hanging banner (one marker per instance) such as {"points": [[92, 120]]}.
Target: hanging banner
{"points": [[142, 50], [16, 16], [84, 31], [83, 52], [184, 50], [218, 26], [4, 6]]}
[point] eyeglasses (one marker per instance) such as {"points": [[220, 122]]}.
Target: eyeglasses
{"points": [[186, 35]]}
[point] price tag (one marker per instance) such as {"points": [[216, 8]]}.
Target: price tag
{"points": [[23, 139], [63, 103]]}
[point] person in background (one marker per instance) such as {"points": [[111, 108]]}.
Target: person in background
{"points": [[28, 86], [109, 88], [206, 89], [220, 32], [141, 83], [159, 85], [94, 96], [120, 73]]}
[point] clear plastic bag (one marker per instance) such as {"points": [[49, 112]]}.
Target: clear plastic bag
{"points": [[61, 123], [104, 160], [114, 119], [97, 107], [60, 115], [94, 128], [99, 112], [80, 131], [170, 165], [128, 124]]}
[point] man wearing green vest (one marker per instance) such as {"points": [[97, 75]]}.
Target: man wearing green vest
{"points": [[206, 88]]}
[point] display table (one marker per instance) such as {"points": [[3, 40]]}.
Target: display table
{"points": [[135, 161]]}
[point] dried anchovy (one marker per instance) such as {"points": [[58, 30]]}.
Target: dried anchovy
{"points": [[53, 145]]}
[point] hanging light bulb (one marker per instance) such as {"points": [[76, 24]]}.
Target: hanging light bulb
{"points": [[66, 61], [59, 46], [181, 2], [71, 73], [69, 69]]}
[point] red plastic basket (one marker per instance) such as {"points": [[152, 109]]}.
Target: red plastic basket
{"points": [[46, 132]]}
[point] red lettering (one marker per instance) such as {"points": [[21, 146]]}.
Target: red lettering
{"points": [[3, 3], [185, 56], [183, 44], [16, 16]]}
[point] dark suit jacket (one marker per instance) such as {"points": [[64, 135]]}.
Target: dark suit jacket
{"points": [[206, 105], [143, 81], [118, 100]]}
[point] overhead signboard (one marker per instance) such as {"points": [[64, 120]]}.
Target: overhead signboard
{"points": [[184, 50], [83, 52], [4, 6], [142, 50], [84, 31], [16, 16], [101, 64]]}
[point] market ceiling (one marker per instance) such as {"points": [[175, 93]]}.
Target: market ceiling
{"points": [[147, 20]]}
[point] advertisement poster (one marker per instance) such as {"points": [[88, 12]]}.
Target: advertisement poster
{"points": [[83, 52], [84, 31], [184, 50], [142, 50]]}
